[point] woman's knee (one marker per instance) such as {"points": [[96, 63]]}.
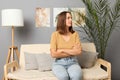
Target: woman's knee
{"points": [[63, 77], [75, 72], [76, 75], [60, 72]]}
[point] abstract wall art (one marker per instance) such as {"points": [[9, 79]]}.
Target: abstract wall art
{"points": [[42, 17]]}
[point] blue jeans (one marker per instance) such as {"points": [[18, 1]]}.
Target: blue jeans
{"points": [[67, 69]]}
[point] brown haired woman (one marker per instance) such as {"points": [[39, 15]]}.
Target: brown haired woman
{"points": [[64, 46]]}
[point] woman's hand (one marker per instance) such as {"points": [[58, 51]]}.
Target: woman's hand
{"points": [[59, 53], [76, 46], [76, 50], [60, 50]]}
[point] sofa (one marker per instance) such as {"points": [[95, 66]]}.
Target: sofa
{"points": [[96, 72]]}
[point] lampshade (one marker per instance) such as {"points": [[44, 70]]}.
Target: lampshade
{"points": [[12, 17]]}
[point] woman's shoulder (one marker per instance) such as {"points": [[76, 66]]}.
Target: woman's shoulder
{"points": [[75, 33], [55, 33]]}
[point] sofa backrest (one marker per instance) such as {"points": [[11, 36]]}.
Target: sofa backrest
{"points": [[45, 48]]}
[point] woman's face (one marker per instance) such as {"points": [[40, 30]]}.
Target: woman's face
{"points": [[68, 20]]}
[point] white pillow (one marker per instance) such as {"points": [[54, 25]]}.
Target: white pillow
{"points": [[30, 61], [44, 61]]}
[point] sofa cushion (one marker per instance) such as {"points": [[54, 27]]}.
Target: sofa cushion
{"points": [[94, 73], [30, 61], [87, 59], [41, 61], [31, 75], [44, 62]]}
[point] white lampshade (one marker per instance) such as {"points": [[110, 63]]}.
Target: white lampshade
{"points": [[12, 17]]}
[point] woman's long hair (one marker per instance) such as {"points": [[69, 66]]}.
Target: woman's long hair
{"points": [[61, 23]]}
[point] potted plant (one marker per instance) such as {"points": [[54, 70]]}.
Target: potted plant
{"points": [[100, 21]]}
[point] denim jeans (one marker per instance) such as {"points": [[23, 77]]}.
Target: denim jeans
{"points": [[67, 69]]}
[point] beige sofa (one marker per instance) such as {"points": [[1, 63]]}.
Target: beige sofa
{"points": [[20, 73]]}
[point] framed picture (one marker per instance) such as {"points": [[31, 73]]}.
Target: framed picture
{"points": [[42, 17], [77, 20]]}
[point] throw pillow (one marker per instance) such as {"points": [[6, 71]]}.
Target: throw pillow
{"points": [[87, 59], [30, 61], [44, 62]]}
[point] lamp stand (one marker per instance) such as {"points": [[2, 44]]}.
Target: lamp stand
{"points": [[12, 50]]}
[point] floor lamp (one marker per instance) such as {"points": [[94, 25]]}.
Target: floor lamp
{"points": [[12, 18]]}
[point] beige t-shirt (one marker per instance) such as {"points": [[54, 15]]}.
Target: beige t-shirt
{"points": [[58, 42]]}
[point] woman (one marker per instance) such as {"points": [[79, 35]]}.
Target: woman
{"points": [[65, 45]]}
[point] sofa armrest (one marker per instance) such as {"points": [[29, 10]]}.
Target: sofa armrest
{"points": [[106, 65], [12, 65]]}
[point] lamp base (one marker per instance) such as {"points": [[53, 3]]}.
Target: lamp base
{"points": [[12, 50], [10, 58]]}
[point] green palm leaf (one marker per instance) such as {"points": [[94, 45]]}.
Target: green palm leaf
{"points": [[100, 22]]}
